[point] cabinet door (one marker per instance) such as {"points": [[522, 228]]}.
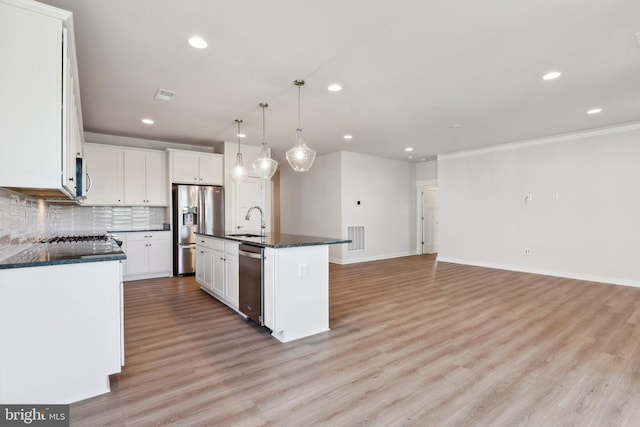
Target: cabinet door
{"points": [[157, 185], [137, 257], [201, 264], [218, 273], [159, 255], [231, 287], [105, 166], [134, 178], [184, 169], [204, 266], [31, 87], [211, 167]]}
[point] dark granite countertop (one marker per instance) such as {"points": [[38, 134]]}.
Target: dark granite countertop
{"points": [[276, 240], [40, 254]]}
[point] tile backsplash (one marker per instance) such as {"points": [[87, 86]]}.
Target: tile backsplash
{"points": [[24, 219]]}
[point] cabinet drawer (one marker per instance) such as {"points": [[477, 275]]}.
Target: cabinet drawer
{"points": [[206, 242], [218, 244]]}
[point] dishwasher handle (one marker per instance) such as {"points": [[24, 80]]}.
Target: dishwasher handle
{"points": [[249, 254]]}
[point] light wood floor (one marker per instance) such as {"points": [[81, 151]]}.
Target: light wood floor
{"points": [[411, 343]]}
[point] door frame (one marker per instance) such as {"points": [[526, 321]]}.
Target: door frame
{"points": [[419, 185]]}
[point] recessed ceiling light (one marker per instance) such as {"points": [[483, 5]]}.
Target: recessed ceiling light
{"points": [[594, 111], [198, 42], [335, 87], [408, 149], [348, 137], [552, 75], [147, 121], [241, 135]]}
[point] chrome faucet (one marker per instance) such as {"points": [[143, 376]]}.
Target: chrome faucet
{"points": [[248, 217]]}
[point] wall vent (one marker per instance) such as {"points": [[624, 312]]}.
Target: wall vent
{"points": [[355, 233], [165, 95]]}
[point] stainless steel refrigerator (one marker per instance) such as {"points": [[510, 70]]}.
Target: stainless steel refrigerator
{"points": [[196, 208]]}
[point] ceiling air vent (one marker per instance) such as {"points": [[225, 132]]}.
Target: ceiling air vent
{"points": [[165, 95]]}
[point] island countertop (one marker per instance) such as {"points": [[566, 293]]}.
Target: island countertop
{"points": [[276, 240]]}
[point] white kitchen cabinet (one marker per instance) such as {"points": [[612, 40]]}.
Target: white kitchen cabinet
{"points": [[105, 165], [231, 274], [148, 255], [204, 266], [217, 269], [190, 167], [145, 178], [40, 104]]}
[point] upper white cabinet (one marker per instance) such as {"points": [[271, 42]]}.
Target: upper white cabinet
{"points": [[145, 178], [105, 167], [41, 122], [126, 177], [189, 167]]}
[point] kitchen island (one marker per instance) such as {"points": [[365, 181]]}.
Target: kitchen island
{"points": [[295, 278]]}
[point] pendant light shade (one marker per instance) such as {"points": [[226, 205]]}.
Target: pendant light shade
{"points": [[239, 173], [264, 165], [300, 157]]}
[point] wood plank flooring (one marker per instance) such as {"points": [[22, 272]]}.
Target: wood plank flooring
{"points": [[412, 343]]}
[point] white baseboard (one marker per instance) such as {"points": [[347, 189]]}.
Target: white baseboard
{"points": [[568, 275], [370, 258]]}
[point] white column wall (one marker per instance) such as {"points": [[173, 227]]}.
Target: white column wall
{"points": [[427, 171], [582, 221]]}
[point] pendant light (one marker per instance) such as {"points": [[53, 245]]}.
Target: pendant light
{"points": [[239, 173], [300, 157], [264, 165]]}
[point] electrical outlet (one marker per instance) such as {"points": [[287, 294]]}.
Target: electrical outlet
{"points": [[303, 270], [527, 251]]}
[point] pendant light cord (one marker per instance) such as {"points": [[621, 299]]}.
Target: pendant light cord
{"points": [[263, 132], [238, 134], [299, 108]]}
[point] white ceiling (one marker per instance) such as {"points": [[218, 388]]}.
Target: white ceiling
{"points": [[409, 70]]}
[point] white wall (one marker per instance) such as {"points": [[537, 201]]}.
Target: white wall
{"points": [[310, 201], [323, 202], [427, 171], [582, 221], [385, 189]]}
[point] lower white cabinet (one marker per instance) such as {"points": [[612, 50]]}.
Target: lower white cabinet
{"points": [[217, 269], [204, 262], [148, 254], [61, 331]]}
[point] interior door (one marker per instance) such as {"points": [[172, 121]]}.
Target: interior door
{"points": [[429, 220]]}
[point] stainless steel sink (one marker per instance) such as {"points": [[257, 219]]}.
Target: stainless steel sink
{"points": [[244, 235]]}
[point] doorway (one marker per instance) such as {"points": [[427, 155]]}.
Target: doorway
{"points": [[429, 219]]}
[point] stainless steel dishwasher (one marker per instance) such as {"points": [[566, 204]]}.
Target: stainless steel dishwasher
{"points": [[251, 264]]}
